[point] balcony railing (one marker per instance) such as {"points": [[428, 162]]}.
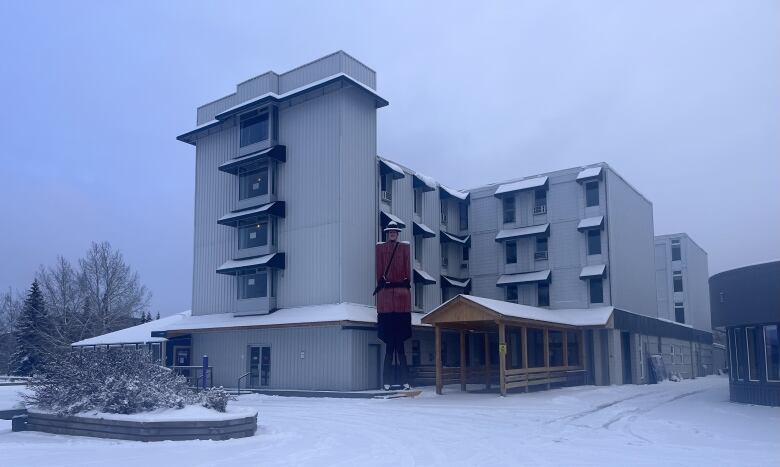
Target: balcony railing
{"points": [[540, 208], [540, 255]]}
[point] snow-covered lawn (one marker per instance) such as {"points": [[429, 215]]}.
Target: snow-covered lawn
{"points": [[686, 423]]}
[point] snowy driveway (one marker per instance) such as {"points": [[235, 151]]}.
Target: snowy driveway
{"points": [[687, 423]]}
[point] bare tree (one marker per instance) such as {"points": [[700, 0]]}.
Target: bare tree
{"points": [[65, 302], [10, 306], [113, 294]]}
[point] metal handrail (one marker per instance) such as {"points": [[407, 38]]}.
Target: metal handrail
{"points": [[238, 383]]}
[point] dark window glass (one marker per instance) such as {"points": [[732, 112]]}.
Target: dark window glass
{"points": [[541, 248], [679, 312], [254, 183], [511, 293], [265, 366], [739, 344], [592, 194], [772, 352], [596, 291], [254, 128], [383, 183], [418, 296], [535, 348], [555, 344], [573, 347], [511, 252], [252, 234], [463, 216], [252, 284], [509, 209], [515, 348], [543, 294], [676, 253], [418, 247], [418, 202], [465, 253], [594, 242], [677, 281], [415, 352], [752, 353], [444, 213]]}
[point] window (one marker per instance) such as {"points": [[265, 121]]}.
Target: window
{"points": [[465, 254], [739, 341], [594, 242], [418, 248], [677, 281], [535, 347], [541, 248], [752, 353], [463, 216], [772, 353], [555, 347], [515, 348], [511, 293], [676, 253], [543, 294], [418, 296], [573, 347], [252, 234], [509, 209], [254, 128], [591, 194], [418, 202], [511, 252], [540, 201], [156, 349], [732, 335], [415, 352], [386, 187], [253, 284], [444, 260], [679, 312], [596, 290], [253, 183], [444, 213]]}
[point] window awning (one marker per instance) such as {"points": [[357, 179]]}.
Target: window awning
{"points": [[447, 281], [386, 217], [388, 168], [522, 185], [271, 209], [233, 266], [423, 230], [445, 192], [524, 278], [591, 223], [278, 152], [448, 237], [423, 182], [422, 277], [589, 173], [597, 270], [542, 230]]}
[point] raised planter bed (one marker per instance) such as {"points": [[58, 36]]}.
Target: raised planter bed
{"points": [[219, 428]]}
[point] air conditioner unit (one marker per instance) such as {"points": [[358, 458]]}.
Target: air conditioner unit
{"points": [[540, 255], [387, 196], [464, 265], [540, 209]]}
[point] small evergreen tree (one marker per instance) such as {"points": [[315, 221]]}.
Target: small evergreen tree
{"points": [[158, 315], [31, 333]]}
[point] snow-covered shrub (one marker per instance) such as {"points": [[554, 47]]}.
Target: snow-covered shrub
{"points": [[216, 398], [118, 381]]}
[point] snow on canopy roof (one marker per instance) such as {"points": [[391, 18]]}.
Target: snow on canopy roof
{"points": [[426, 278], [524, 277], [596, 270], [328, 313], [274, 260], [572, 317], [463, 196], [591, 172], [136, 334], [426, 180], [542, 229], [446, 236], [455, 282], [526, 184], [591, 223], [421, 229], [397, 171], [392, 217]]}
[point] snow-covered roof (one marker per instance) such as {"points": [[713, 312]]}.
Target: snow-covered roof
{"points": [[136, 334], [275, 208], [394, 218], [423, 276], [425, 182], [591, 223], [596, 270], [591, 172], [542, 229], [524, 277], [454, 282], [463, 196], [421, 229], [526, 184], [446, 236], [396, 170], [278, 152], [571, 317], [233, 265]]}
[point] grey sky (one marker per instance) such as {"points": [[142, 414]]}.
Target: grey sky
{"points": [[680, 97]]}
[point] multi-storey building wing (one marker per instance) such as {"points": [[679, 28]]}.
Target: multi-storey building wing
{"points": [[682, 274]]}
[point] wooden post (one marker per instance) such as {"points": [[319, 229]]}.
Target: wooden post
{"points": [[487, 361], [524, 345], [462, 360], [437, 332], [547, 355], [502, 357]]}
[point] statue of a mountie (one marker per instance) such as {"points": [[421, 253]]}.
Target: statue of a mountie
{"points": [[394, 305]]}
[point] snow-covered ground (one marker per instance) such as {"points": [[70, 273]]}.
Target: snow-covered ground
{"points": [[686, 423]]}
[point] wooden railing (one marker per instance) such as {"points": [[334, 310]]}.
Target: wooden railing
{"points": [[525, 377]]}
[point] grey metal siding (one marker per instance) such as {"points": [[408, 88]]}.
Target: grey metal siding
{"points": [[694, 267]]}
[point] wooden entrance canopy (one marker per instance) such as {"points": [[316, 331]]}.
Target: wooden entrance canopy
{"points": [[467, 313]]}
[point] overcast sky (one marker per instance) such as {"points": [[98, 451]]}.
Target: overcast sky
{"points": [[682, 98]]}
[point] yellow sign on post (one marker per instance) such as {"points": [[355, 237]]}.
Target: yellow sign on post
{"points": [[502, 348]]}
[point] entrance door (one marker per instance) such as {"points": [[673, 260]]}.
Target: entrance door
{"points": [[259, 366], [625, 341], [181, 357]]}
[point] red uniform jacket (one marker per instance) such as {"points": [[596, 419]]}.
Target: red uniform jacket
{"points": [[394, 298]]}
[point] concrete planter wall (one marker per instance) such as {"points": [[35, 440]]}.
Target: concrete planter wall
{"points": [[137, 430]]}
